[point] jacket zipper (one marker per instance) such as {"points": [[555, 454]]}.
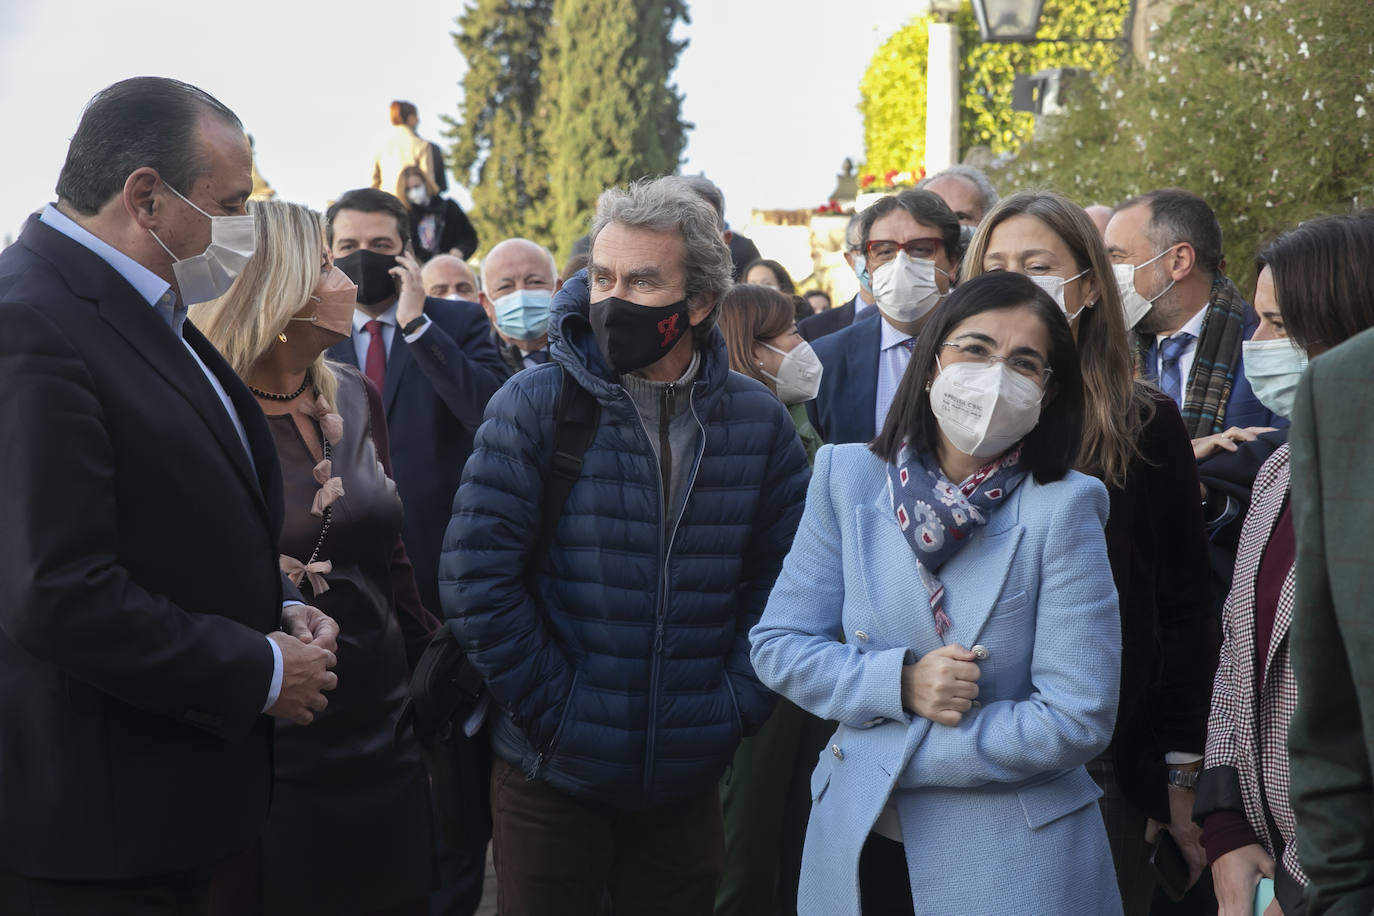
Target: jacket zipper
{"points": [[658, 615], [665, 451], [663, 603]]}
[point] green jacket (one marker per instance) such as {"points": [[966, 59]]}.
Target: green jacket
{"points": [[810, 439], [1331, 739]]}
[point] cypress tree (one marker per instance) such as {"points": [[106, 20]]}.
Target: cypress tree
{"points": [[616, 118], [499, 152]]}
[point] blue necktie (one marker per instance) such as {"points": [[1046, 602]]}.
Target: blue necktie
{"points": [[1170, 349]]}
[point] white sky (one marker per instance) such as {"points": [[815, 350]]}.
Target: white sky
{"points": [[771, 85]]}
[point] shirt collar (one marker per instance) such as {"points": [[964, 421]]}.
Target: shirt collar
{"points": [[891, 337], [361, 318], [155, 290], [1194, 326]]}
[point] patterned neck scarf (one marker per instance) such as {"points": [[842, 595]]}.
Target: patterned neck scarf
{"points": [[938, 517], [1208, 386]]}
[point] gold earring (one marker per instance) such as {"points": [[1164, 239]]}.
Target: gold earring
{"points": [[281, 335]]}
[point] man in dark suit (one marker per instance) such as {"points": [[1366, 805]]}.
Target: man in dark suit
{"points": [[139, 588], [1331, 738], [842, 316], [436, 367], [864, 362], [431, 359]]}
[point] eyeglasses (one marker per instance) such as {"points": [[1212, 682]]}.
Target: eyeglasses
{"points": [[880, 251], [1027, 364]]}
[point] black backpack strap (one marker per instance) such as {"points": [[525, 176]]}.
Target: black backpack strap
{"points": [[574, 427]]}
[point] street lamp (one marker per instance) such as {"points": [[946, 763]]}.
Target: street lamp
{"points": [[1008, 20]]}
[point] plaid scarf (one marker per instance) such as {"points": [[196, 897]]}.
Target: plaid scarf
{"points": [[938, 517], [1214, 360]]}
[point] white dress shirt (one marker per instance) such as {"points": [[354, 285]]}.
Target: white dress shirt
{"points": [[158, 293], [892, 362], [361, 337], [1185, 359]]}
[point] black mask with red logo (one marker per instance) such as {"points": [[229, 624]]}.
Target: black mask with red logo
{"points": [[634, 336]]}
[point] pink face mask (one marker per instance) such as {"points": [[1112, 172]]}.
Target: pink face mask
{"points": [[332, 303]]}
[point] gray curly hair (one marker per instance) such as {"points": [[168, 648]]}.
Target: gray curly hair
{"points": [[671, 204]]}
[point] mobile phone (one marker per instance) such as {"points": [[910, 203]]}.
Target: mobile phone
{"points": [[1170, 865]]}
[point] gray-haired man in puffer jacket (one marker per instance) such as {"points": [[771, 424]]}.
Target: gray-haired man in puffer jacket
{"points": [[620, 669]]}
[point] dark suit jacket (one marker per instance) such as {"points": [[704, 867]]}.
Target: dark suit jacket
{"points": [[827, 322], [435, 394], [1331, 737], [843, 409], [138, 574]]}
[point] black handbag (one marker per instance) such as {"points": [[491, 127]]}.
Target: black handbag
{"points": [[446, 691]]}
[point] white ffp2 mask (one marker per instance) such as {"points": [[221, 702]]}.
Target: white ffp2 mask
{"points": [[799, 376], [904, 288], [984, 409]]}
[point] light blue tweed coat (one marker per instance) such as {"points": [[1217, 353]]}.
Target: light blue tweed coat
{"points": [[998, 813]]}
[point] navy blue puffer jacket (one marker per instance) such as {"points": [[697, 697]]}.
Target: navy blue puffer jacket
{"points": [[624, 677]]}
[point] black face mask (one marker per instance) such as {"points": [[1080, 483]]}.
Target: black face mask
{"points": [[634, 336], [369, 269]]}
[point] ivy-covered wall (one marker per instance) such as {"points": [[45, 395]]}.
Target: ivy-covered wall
{"points": [[893, 93]]}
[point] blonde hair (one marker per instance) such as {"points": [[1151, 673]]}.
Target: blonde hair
{"points": [[1116, 405], [275, 285]]}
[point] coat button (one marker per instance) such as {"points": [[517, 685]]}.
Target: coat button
{"points": [[980, 652], [860, 634], [835, 749]]}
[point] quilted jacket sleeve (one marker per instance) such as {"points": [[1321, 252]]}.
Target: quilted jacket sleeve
{"points": [[780, 510], [482, 581]]}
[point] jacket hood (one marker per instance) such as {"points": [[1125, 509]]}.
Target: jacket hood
{"points": [[573, 343]]}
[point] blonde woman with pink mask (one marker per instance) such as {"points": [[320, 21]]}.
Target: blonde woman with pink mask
{"points": [[350, 801]]}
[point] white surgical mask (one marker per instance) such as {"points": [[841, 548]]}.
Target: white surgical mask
{"points": [[209, 275], [799, 375], [1055, 287], [418, 195], [984, 410], [1135, 305], [1273, 368], [904, 288]]}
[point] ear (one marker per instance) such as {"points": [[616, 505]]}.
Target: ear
{"points": [[557, 284], [140, 201], [702, 307], [487, 306], [1182, 261], [728, 237], [1092, 294]]}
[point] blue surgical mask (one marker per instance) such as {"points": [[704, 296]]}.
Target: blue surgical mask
{"points": [[1273, 368], [861, 271], [523, 314]]}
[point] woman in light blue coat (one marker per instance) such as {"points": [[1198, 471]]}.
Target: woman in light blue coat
{"points": [[964, 635]]}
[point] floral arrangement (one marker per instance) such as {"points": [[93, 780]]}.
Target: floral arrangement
{"points": [[892, 178]]}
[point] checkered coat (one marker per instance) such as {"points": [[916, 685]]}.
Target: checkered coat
{"points": [[1247, 735]]}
